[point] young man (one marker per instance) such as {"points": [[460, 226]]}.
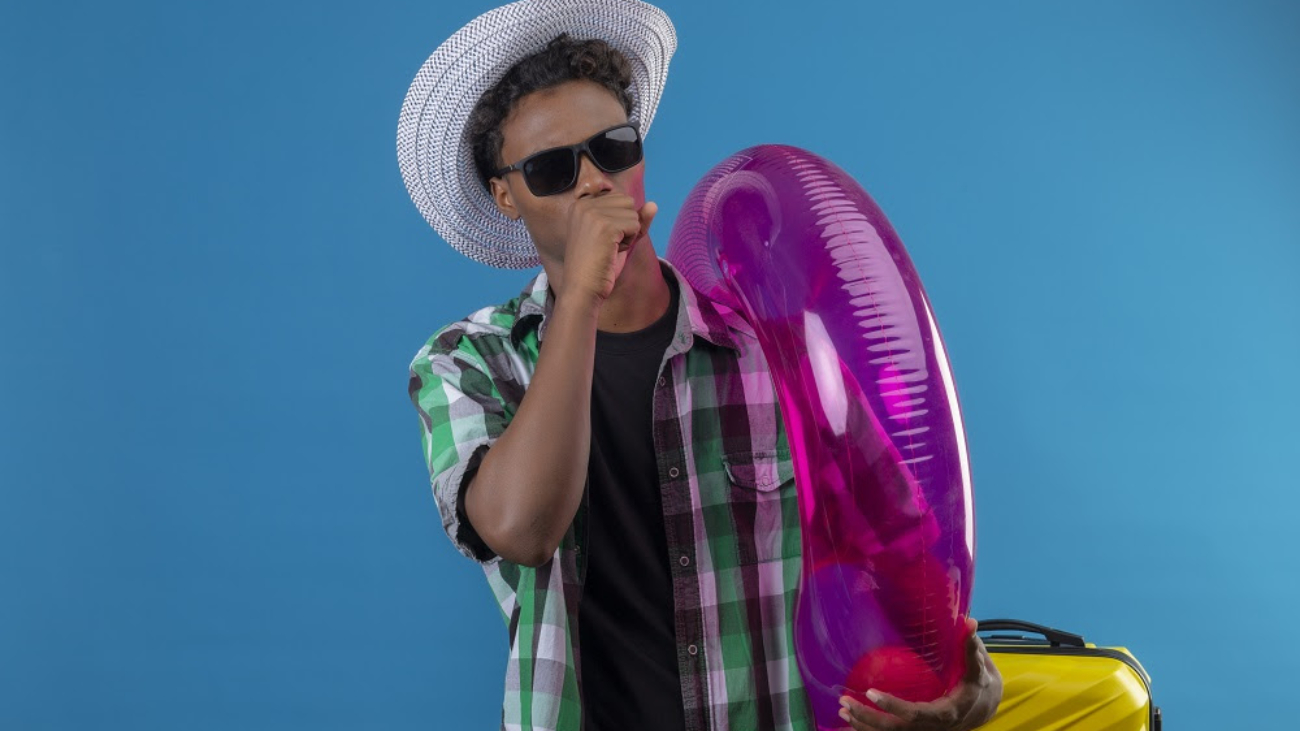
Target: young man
{"points": [[627, 488]]}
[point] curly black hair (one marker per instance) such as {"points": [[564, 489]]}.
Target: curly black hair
{"points": [[563, 59]]}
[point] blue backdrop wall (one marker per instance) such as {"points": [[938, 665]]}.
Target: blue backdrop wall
{"points": [[214, 512]]}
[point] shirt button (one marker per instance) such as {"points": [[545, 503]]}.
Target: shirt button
{"points": [[693, 649], [673, 472], [684, 560], [662, 381]]}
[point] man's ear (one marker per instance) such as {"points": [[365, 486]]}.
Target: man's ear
{"points": [[502, 198]]}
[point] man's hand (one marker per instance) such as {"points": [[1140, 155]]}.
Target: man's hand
{"points": [[971, 704], [602, 230]]}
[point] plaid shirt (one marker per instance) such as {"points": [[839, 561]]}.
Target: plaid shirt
{"points": [[731, 514]]}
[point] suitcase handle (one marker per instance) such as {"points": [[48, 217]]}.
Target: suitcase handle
{"points": [[1056, 637]]}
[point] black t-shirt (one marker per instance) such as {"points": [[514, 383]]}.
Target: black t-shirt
{"points": [[627, 640]]}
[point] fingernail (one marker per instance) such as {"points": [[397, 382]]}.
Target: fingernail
{"points": [[873, 695], [844, 713], [844, 701]]}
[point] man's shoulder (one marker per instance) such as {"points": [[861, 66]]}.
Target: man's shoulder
{"points": [[484, 338], [485, 330], [488, 321]]}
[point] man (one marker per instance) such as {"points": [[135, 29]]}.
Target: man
{"points": [[627, 488]]}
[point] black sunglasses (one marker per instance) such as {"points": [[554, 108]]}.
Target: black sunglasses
{"points": [[556, 170]]}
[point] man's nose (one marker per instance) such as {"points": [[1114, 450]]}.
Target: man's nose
{"points": [[591, 179]]}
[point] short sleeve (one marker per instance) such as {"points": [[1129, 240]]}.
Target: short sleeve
{"points": [[461, 415]]}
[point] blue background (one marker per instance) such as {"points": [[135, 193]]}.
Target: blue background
{"points": [[214, 510]]}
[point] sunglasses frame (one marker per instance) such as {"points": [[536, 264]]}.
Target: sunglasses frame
{"points": [[575, 150]]}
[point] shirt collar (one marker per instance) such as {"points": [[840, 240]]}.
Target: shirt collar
{"points": [[696, 315]]}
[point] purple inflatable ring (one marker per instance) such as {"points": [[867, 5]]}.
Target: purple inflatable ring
{"points": [[794, 245]]}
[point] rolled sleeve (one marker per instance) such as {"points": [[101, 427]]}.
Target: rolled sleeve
{"points": [[461, 415]]}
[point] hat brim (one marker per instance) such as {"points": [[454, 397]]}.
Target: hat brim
{"points": [[433, 152]]}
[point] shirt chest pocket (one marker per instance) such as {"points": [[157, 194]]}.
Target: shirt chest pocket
{"points": [[763, 506]]}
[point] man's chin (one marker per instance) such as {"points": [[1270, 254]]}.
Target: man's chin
{"points": [[642, 242], [631, 261]]}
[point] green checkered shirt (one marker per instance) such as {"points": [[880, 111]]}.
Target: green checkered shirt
{"points": [[731, 515]]}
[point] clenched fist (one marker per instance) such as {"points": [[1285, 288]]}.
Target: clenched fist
{"points": [[602, 231]]}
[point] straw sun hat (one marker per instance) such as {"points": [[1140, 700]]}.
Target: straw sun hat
{"points": [[432, 149]]}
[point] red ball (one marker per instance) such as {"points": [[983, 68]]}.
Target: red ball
{"points": [[897, 671]]}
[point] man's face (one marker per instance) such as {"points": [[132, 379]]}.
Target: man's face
{"points": [[561, 115]]}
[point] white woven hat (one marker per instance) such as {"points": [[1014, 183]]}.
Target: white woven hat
{"points": [[432, 150]]}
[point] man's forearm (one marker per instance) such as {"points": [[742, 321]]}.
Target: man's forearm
{"points": [[529, 484]]}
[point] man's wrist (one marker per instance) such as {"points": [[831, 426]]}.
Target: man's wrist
{"points": [[579, 304]]}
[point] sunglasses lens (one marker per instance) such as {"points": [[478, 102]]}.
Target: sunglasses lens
{"points": [[556, 171], [617, 149], [550, 173]]}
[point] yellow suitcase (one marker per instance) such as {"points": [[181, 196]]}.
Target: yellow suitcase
{"points": [[1055, 681]]}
